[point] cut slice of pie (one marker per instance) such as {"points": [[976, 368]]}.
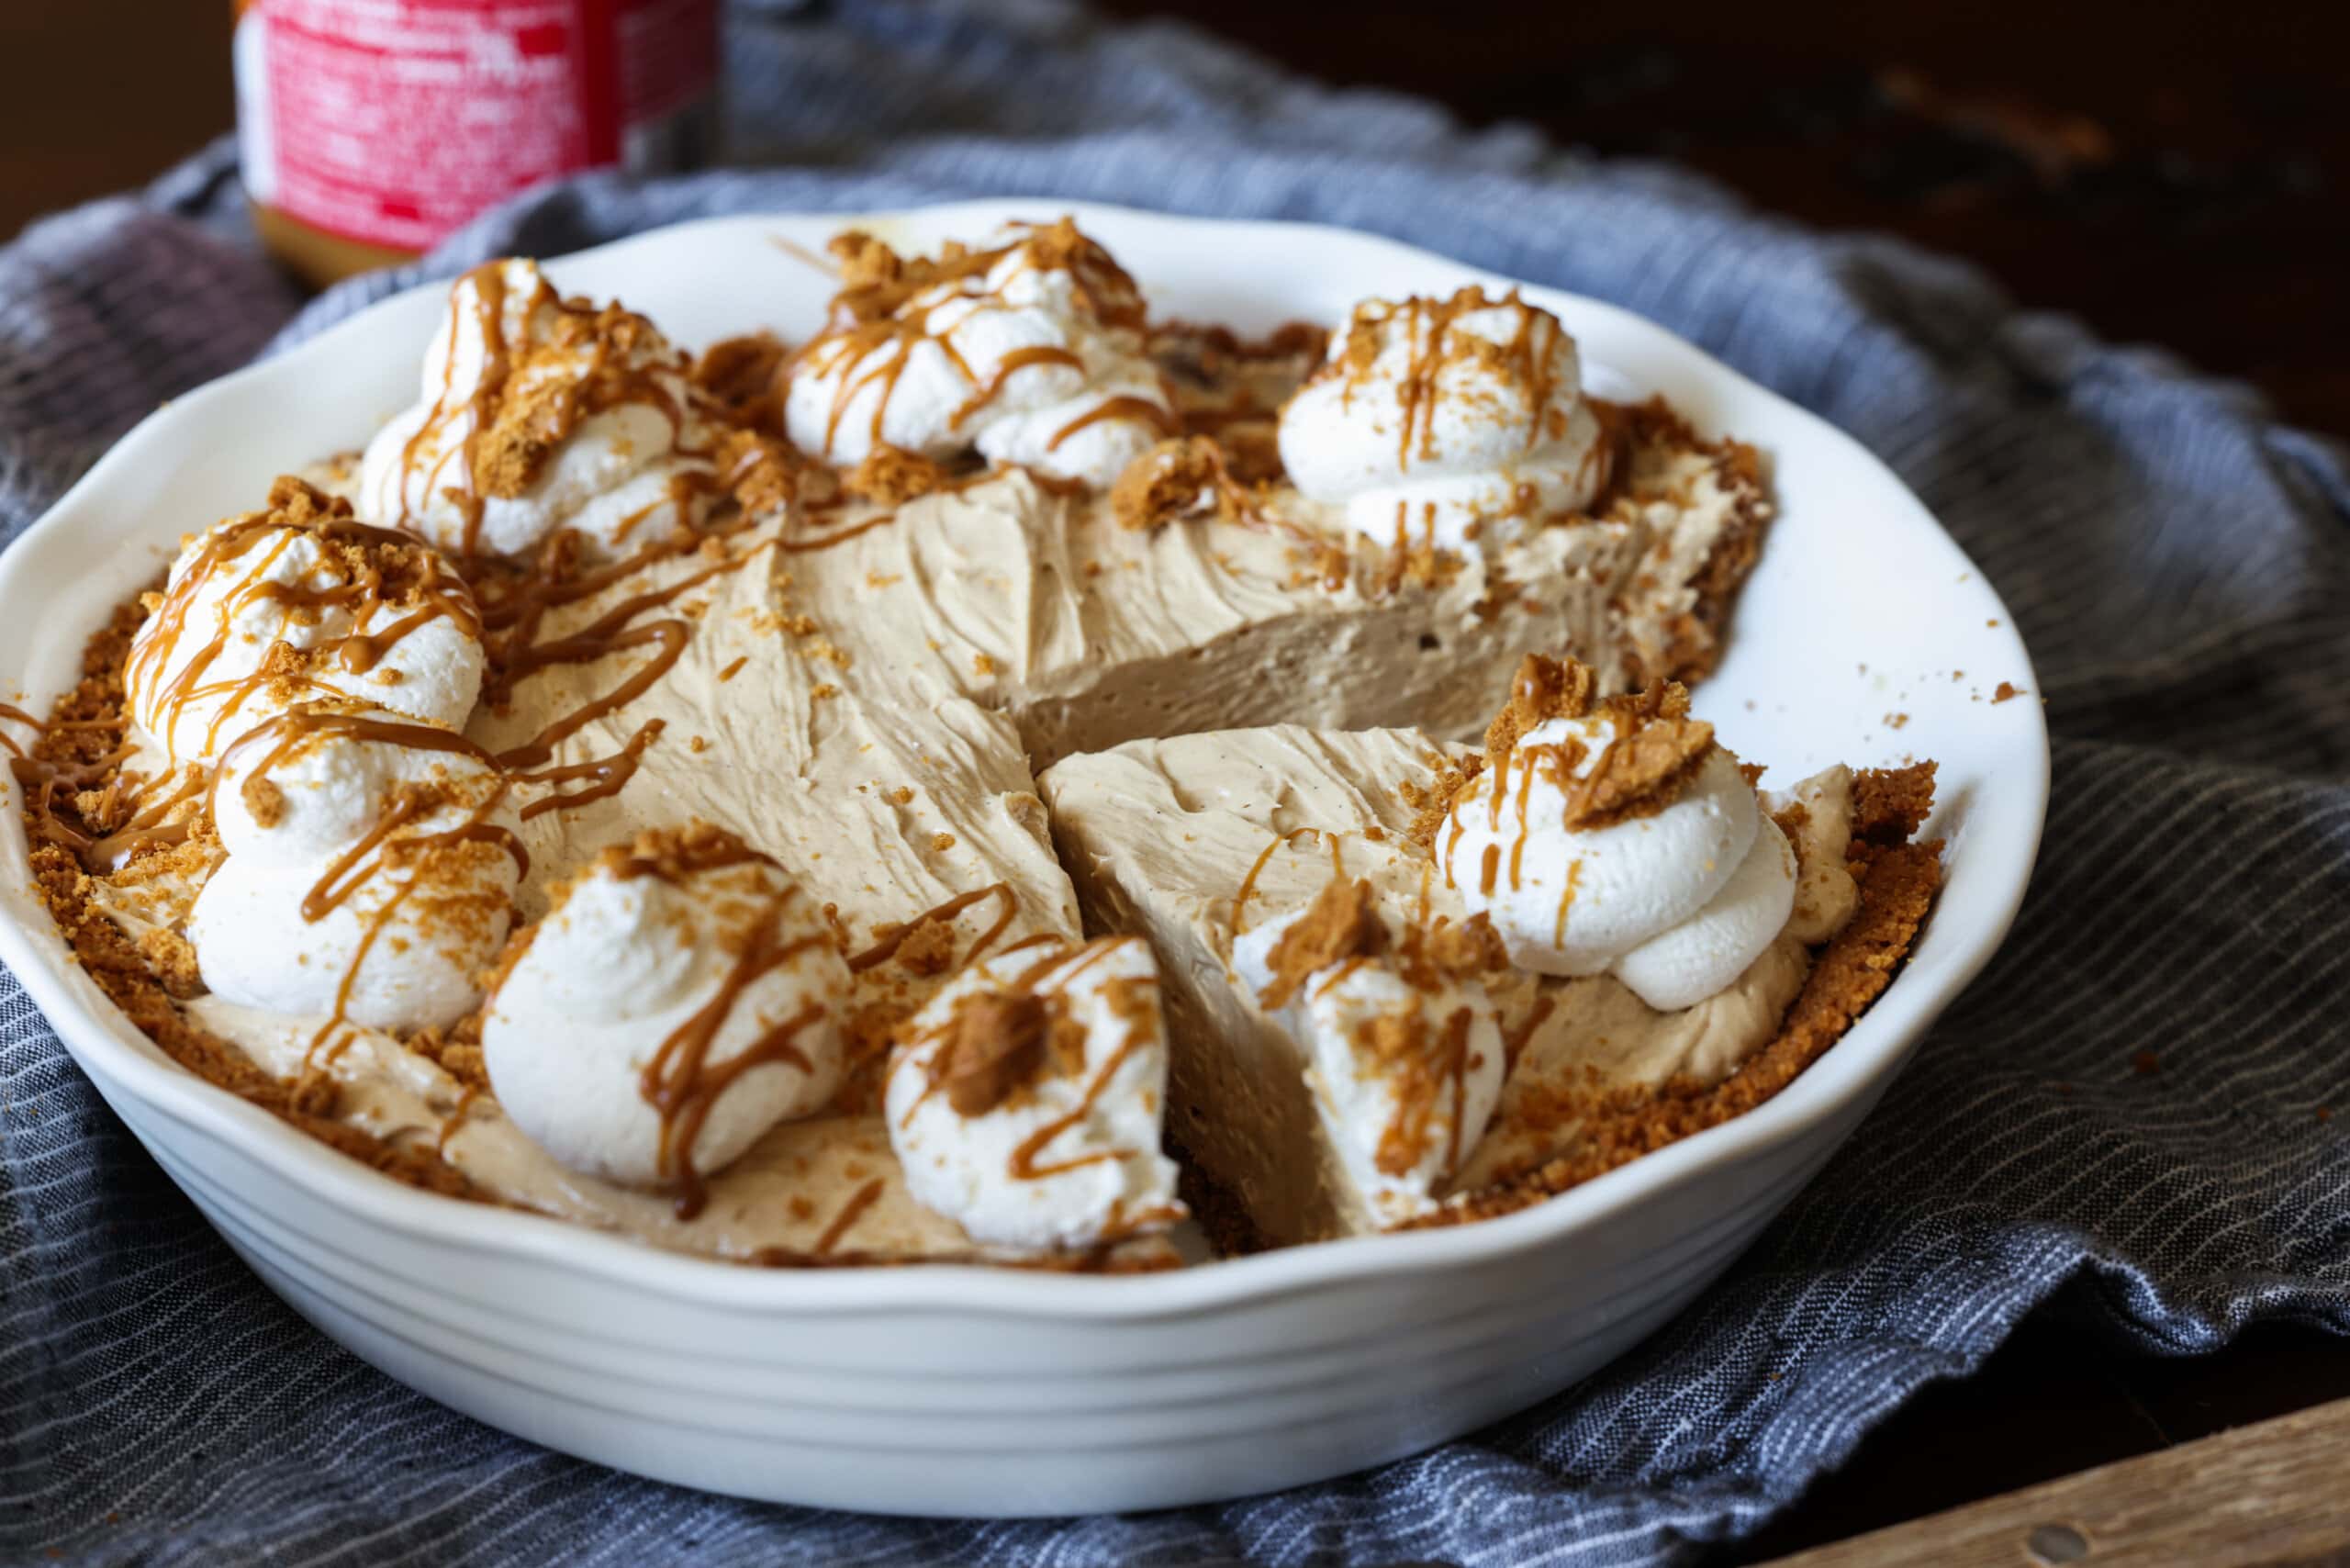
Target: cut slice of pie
{"points": [[1225, 851], [726, 685]]}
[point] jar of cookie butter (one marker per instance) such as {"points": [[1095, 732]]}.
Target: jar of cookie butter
{"points": [[368, 130]]}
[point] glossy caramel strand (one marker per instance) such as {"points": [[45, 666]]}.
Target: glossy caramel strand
{"points": [[682, 1084]]}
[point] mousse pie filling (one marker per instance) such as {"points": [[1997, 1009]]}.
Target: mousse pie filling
{"points": [[1007, 779]]}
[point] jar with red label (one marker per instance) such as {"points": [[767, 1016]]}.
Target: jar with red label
{"points": [[369, 129]]}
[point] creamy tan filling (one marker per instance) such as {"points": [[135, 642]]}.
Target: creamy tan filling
{"points": [[862, 698]]}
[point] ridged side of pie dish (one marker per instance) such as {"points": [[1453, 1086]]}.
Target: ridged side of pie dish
{"points": [[1061, 1393]]}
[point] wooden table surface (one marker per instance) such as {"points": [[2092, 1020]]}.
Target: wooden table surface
{"points": [[2172, 173]]}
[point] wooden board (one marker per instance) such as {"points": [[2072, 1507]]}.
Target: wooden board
{"points": [[2277, 1493]]}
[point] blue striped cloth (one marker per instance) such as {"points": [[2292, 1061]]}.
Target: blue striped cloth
{"points": [[2179, 562]]}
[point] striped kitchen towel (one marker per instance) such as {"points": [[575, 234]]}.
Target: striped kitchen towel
{"points": [[2179, 563]]}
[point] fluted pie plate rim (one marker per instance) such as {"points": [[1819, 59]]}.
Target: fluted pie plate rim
{"points": [[1815, 652]]}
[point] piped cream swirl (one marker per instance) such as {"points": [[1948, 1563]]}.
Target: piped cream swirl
{"points": [[540, 414], [681, 997], [1030, 352], [372, 866], [1449, 424]]}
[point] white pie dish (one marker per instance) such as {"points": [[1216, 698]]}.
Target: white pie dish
{"points": [[965, 1391]]}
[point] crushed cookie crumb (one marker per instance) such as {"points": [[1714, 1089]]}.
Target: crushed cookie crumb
{"points": [[928, 948], [1639, 773], [1341, 922], [1431, 806], [997, 1045], [891, 476], [1543, 689]]}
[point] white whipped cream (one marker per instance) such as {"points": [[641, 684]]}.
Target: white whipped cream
{"points": [[983, 361], [1454, 424], [1100, 1175], [400, 919], [1361, 1098], [1675, 904], [632, 965], [630, 474], [244, 585]]}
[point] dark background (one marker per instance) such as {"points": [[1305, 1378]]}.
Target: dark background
{"points": [[2173, 174]]}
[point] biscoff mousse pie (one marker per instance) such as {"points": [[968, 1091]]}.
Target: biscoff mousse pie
{"points": [[615, 793], [1412, 984]]}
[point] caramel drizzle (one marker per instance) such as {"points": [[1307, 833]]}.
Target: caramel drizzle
{"points": [[680, 1082], [148, 827], [826, 541], [18, 715], [279, 737], [1527, 358], [456, 1119], [44, 780], [887, 946], [1566, 902], [863, 1198], [610, 774], [1513, 1041], [489, 318], [1399, 1145], [325, 895], [515, 653], [1248, 883], [607, 635], [1139, 410], [1062, 967], [1023, 1166], [1018, 359], [1518, 850]]}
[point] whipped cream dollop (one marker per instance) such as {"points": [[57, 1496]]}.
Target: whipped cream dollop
{"points": [[1031, 352], [682, 996], [1624, 842], [1447, 424], [1025, 1101], [372, 864], [1405, 1043], [539, 414], [300, 602]]}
